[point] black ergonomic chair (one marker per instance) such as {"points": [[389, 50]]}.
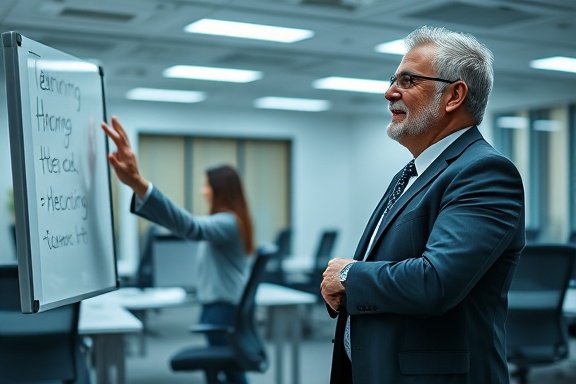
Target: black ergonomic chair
{"points": [[246, 351], [42, 347], [572, 321], [310, 281], [532, 235], [143, 278], [274, 273], [537, 333]]}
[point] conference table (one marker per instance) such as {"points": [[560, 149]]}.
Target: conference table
{"points": [[283, 306], [140, 301], [284, 309], [569, 307], [107, 324]]}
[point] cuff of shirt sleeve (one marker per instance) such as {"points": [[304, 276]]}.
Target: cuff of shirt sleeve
{"points": [[139, 202]]}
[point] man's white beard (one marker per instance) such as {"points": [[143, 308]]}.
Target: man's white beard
{"points": [[414, 125]]}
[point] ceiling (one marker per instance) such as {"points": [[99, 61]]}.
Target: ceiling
{"points": [[134, 40]]}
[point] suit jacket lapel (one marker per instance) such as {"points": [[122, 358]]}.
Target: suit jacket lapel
{"points": [[372, 222], [438, 166]]}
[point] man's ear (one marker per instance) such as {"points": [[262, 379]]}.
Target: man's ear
{"points": [[456, 95]]}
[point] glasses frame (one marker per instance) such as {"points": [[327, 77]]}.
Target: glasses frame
{"points": [[412, 77]]}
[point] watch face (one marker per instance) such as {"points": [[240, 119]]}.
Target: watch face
{"points": [[344, 273]]}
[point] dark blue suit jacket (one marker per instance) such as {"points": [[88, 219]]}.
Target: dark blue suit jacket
{"points": [[429, 304]]}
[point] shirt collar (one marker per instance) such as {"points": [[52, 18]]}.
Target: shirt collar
{"points": [[423, 161]]}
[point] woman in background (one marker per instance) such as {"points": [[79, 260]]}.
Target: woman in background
{"points": [[227, 231]]}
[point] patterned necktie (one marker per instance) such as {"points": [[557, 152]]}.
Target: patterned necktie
{"points": [[408, 171]]}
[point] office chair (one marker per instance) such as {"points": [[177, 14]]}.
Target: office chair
{"points": [[572, 321], [537, 333], [274, 273], [42, 347], [310, 281], [143, 278], [246, 351], [532, 235]]}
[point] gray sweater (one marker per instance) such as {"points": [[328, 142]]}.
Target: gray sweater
{"points": [[222, 262]]}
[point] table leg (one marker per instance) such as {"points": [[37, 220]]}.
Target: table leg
{"points": [[108, 356], [142, 315], [278, 335], [296, 331], [283, 320]]}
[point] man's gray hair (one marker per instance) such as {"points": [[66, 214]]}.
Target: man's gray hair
{"points": [[459, 56]]}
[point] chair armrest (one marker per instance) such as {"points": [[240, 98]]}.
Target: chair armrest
{"points": [[211, 328]]}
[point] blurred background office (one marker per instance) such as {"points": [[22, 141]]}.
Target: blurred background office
{"points": [[328, 165], [305, 121]]}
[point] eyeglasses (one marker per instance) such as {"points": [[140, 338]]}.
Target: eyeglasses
{"points": [[405, 81]]}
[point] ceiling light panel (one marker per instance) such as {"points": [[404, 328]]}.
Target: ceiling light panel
{"points": [[212, 74], [351, 84], [248, 31], [556, 63], [165, 95], [395, 47], [293, 104]]}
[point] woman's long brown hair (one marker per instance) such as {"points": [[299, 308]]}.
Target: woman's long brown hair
{"points": [[228, 195]]}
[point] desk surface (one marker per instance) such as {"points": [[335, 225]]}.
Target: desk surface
{"points": [[153, 298], [570, 302], [272, 294], [103, 318], [147, 298]]}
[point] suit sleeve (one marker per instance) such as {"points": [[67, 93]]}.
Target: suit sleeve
{"points": [[478, 210], [217, 228]]}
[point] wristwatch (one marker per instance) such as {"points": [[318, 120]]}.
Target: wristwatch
{"points": [[344, 274]]}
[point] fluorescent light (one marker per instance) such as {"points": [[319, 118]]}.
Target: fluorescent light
{"points": [[293, 104], [395, 47], [351, 84], [214, 74], [547, 125], [512, 122], [248, 31], [556, 63], [166, 95]]}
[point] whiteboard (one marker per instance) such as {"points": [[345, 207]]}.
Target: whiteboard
{"points": [[61, 179]]}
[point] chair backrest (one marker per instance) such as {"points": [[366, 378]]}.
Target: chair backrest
{"points": [[325, 248], [37, 347], [532, 235], [536, 331], [246, 338], [572, 241], [144, 273], [274, 269], [284, 242]]}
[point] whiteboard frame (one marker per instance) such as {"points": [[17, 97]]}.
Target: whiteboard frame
{"points": [[15, 49]]}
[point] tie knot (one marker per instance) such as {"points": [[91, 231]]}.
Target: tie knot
{"points": [[410, 169]]}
